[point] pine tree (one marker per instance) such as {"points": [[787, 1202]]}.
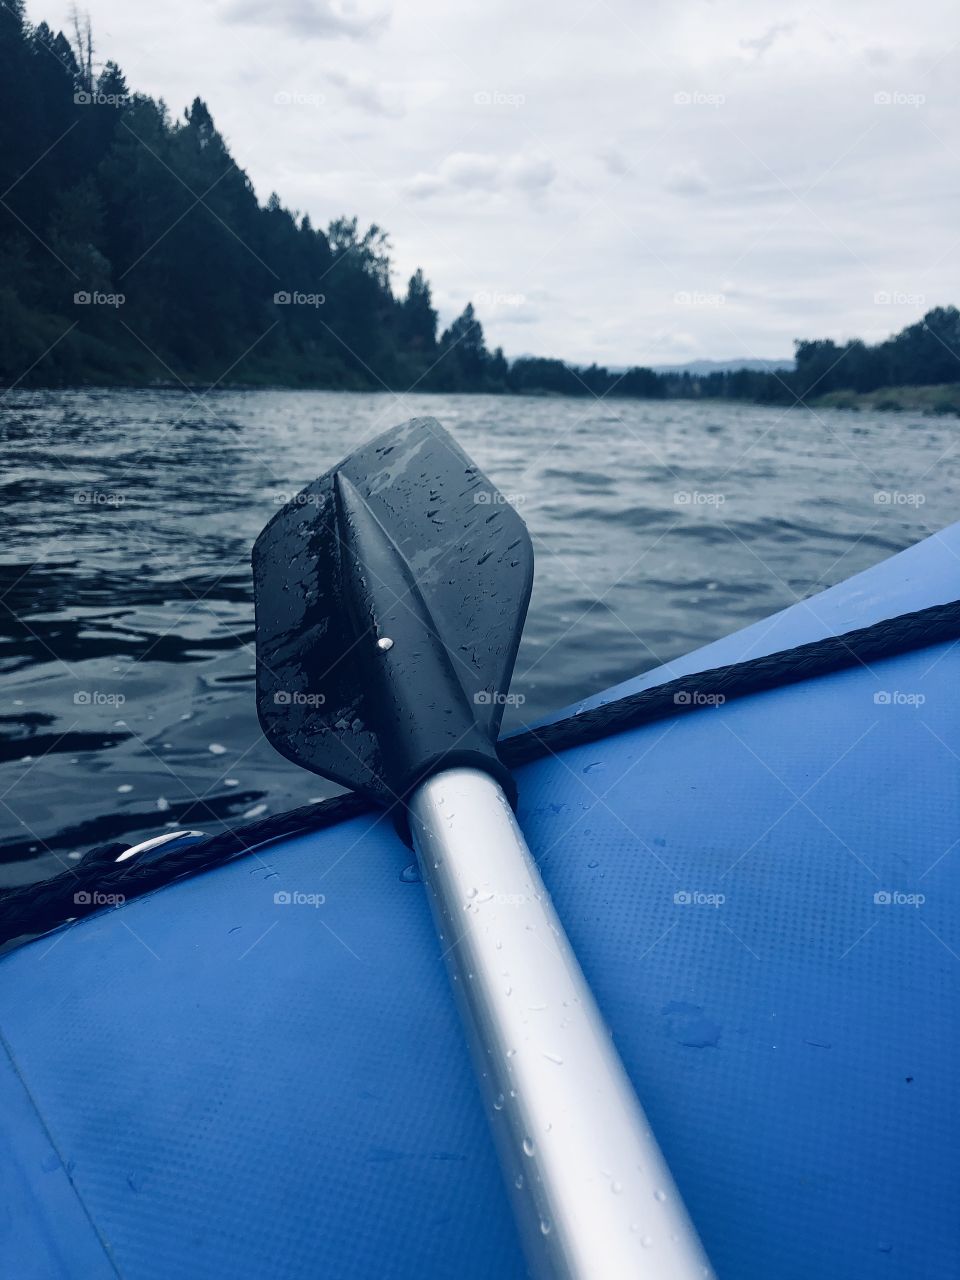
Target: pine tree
{"points": [[464, 350], [418, 319]]}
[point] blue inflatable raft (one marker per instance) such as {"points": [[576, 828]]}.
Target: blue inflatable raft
{"points": [[259, 1071]]}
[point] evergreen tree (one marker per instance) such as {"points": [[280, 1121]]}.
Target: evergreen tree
{"points": [[464, 353], [418, 319]]}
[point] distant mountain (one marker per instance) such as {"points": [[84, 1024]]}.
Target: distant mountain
{"points": [[703, 367], [698, 367]]}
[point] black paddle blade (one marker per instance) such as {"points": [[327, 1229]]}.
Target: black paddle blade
{"points": [[390, 598]]}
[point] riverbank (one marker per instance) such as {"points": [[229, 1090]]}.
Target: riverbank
{"points": [[942, 399]]}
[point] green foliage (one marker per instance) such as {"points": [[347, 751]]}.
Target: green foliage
{"points": [[417, 328], [936, 399], [180, 273]]}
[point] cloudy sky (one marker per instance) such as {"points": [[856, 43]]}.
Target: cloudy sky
{"points": [[623, 181]]}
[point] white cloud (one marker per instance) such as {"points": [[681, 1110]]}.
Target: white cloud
{"points": [[483, 171], [516, 145], [686, 179], [368, 94], [311, 18], [758, 45], [615, 162], [531, 173], [469, 169], [423, 186]]}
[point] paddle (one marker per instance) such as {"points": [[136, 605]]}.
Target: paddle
{"points": [[390, 598]]}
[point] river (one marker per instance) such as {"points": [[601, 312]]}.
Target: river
{"points": [[127, 614]]}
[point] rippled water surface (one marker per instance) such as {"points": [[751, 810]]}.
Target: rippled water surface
{"points": [[127, 612]]}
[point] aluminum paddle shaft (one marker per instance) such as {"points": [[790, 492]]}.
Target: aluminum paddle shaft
{"points": [[590, 1188], [390, 597]]}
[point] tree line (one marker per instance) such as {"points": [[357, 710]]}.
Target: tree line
{"points": [[133, 249]]}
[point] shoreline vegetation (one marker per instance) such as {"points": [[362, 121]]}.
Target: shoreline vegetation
{"points": [[134, 252], [935, 401]]}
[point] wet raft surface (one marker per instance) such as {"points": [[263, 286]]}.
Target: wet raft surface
{"points": [[211, 1081]]}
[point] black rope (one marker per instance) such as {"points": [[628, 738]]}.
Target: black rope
{"points": [[81, 890], [711, 688], [35, 908]]}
